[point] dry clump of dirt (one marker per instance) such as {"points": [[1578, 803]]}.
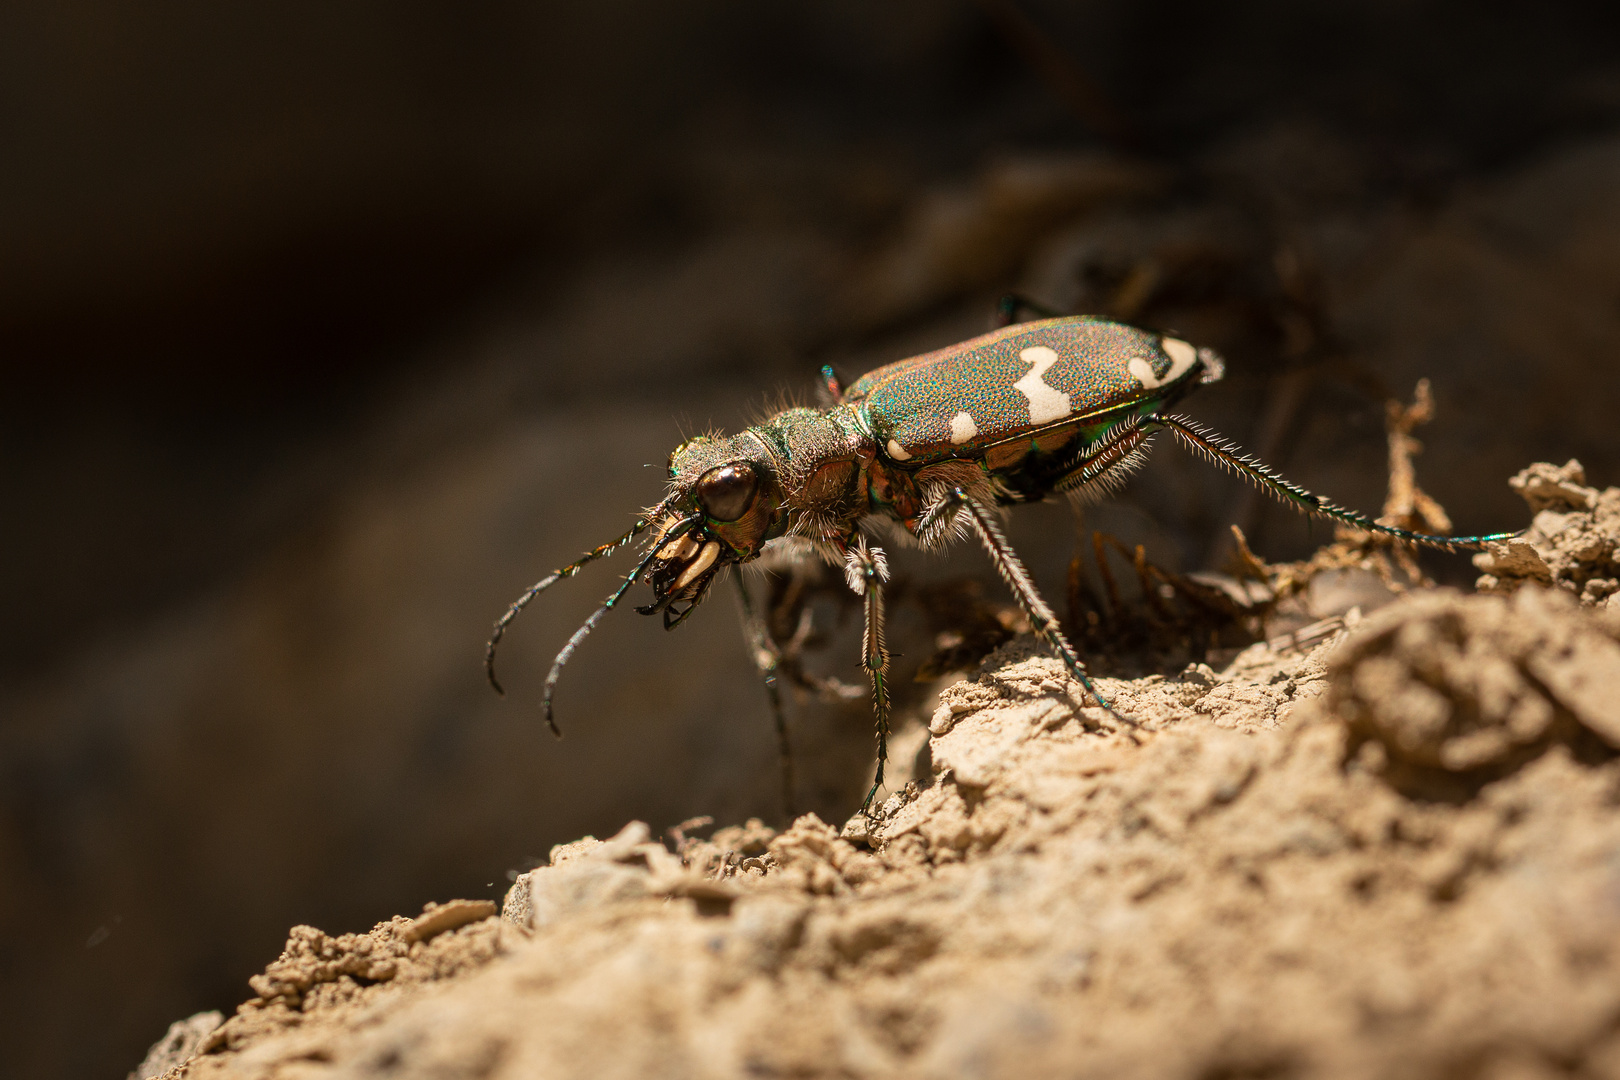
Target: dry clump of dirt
{"points": [[318, 974], [1476, 686], [1397, 855], [1573, 543]]}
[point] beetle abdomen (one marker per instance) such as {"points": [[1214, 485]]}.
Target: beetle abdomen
{"points": [[958, 401]]}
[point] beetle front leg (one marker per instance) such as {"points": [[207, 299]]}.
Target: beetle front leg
{"points": [[1041, 618], [866, 569]]}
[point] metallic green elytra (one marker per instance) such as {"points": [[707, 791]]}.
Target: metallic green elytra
{"points": [[1004, 385], [923, 451]]}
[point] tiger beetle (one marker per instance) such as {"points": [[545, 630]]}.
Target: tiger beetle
{"points": [[926, 451]]}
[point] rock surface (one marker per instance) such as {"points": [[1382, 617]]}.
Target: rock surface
{"points": [[1395, 855]]}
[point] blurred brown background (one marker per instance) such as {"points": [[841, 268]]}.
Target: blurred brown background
{"points": [[326, 328]]}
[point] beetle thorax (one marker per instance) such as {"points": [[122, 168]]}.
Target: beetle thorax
{"points": [[819, 464], [801, 441]]}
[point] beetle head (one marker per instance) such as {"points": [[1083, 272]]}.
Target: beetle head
{"points": [[732, 484]]}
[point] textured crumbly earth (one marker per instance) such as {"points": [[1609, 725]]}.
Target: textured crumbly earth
{"points": [[1573, 544], [1396, 855]]}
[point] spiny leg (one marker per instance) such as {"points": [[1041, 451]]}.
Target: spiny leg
{"points": [[1227, 454], [865, 569], [1104, 465], [767, 659], [1041, 618], [512, 612], [675, 532]]}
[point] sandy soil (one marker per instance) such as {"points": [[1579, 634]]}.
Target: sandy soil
{"points": [[1395, 854]]}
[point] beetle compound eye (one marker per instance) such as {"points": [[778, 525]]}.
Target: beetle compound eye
{"points": [[727, 491]]}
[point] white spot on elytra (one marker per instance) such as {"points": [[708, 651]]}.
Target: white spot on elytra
{"points": [[1045, 403], [1182, 356], [898, 452], [962, 428]]}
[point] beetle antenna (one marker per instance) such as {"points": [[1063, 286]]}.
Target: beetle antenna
{"points": [[675, 532], [517, 606], [1228, 454]]}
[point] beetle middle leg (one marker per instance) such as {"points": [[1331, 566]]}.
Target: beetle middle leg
{"points": [[1040, 615]]}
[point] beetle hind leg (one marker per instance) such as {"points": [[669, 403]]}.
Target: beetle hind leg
{"points": [[1011, 305], [1227, 454]]}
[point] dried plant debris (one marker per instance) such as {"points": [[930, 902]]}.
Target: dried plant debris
{"points": [[1356, 557], [1394, 855], [1161, 617], [1573, 543]]}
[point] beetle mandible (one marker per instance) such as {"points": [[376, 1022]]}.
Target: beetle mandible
{"points": [[928, 450]]}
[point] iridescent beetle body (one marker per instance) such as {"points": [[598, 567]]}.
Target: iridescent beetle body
{"points": [[1025, 402], [925, 450], [961, 401]]}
